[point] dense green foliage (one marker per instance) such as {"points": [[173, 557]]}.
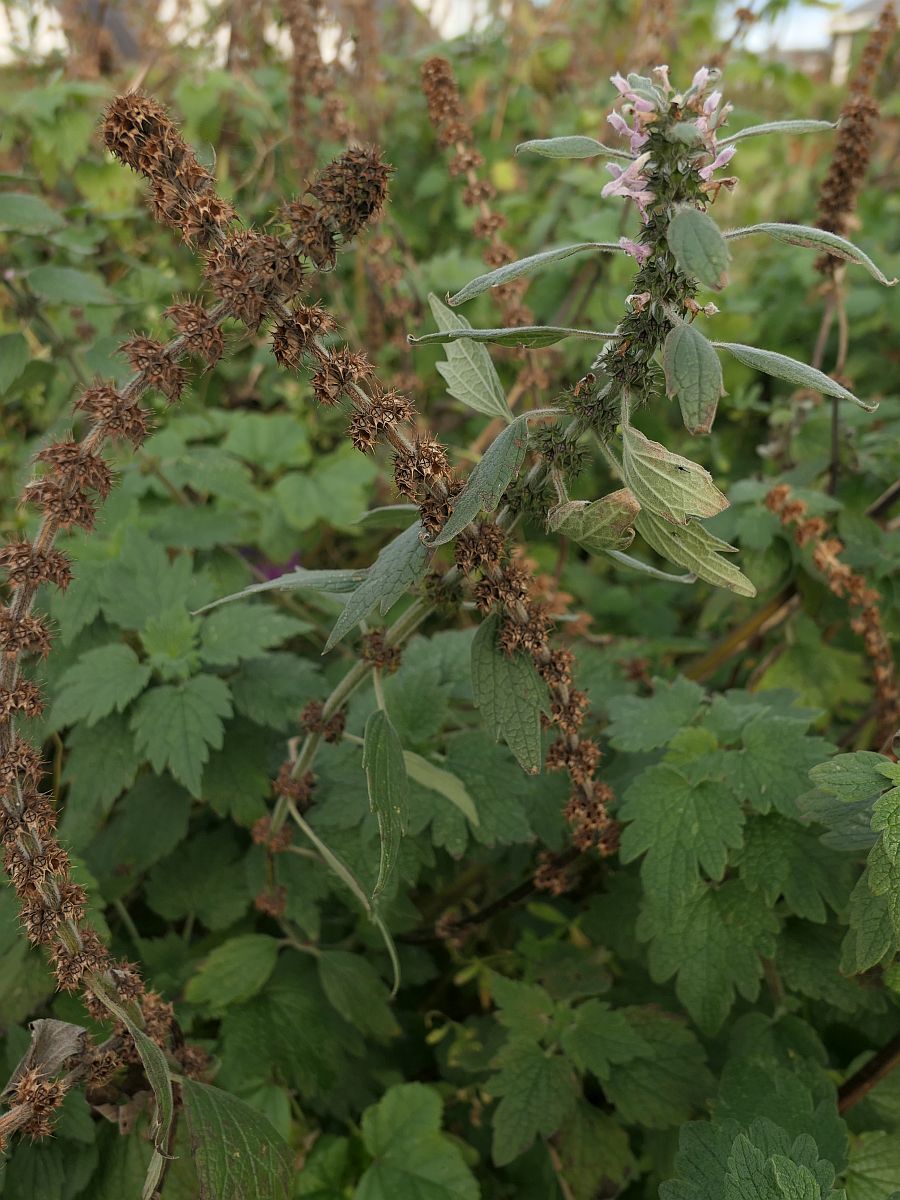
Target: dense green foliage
{"points": [[394, 1007]]}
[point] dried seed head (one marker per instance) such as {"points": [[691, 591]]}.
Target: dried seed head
{"points": [[202, 336], [296, 334], [261, 831], [557, 669], [65, 506], [116, 415], [23, 634], [441, 91], [77, 466], [299, 790], [252, 272], [338, 371], [22, 699], [204, 217], [27, 566], [352, 189], [159, 369], [505, 588], [73, 965], [272, 901], [312, 233], [375, 649], [479, 546], [23, 763], [426, 463], [362, 430]]}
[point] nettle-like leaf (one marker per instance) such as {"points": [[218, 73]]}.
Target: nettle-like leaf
{"points": [[792, 371], [468, 372], [646, 723], [358, 992], [396, 570], [14, 358], [103, 681], [600, 1037], [693, 374], [600, 525], [489, 479], [667, 484], [448, 785], [524, 266], [242, 631], [233, 971], [388, 790], [572, 146], [783, 858], [537, 1092], [815, 239], [699, 247], [175, 725], [510, 695], [694, 547]]}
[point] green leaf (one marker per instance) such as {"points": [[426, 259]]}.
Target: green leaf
{"points": [[245, 631], [100, 764], [202, 877], [693, 374], [701, 1161], [522, 267], [388, 790], [412, 1158], [515, 335], [682, 821], [489, 479], [443, 782], [23, 213], [778, 127], [870, 934], [711, 941], [600, 1037], [358, 992], [665, 1086], [600, 525], [852, 777], [874, 1167], [667, 484], [594, 1151], [233, 972], [102, 681], [646, 723], [815, 239], [269, 440], [527, 1010], [68, 286], [698, 246], [236, 1151], [510, 694], [537, 1093], [773, 766], [574, 146], [792, 371], [396, 570], [176, 724], [468, 371], [783, 858], [694, 547], [272, 689], [336, 582], [886, 821], [170, 643], [14, 358]]}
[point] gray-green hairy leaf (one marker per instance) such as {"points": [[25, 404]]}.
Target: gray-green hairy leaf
{"points": [[778, 127], [510, 694], [468, 372], [815, 239], [604, 524], [573, 146], [399, 566], [667, 484], [388, 790], [792, 371], [693, 374], [516, 335], [699, 248], [524, 266], [489, 479], [14, 356], [336, 581], [694, 547], [448, 785]]}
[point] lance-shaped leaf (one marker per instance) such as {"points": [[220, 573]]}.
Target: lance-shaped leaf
{"points": [[399, 566], [604, 524], [693, 374], [510, 695], [815, 239], [792, 371], [667, 484], [489, 479], [574, 146], [317, 581], [525, 266], [694, 547], [388, 786], [514, 335], [468, 372], [699, 248], [778, 127]]}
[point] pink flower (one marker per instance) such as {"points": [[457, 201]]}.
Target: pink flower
{"points": [[722, 158], [638, 252], [700, 80], [629, 182]]}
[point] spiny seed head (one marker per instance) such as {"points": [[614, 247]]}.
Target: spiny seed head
{"points": [[251, 272], [154, 362], [338, 371], [116, 415], [77, 466], [296, 334], [299, 790], [352, 189], [23, 634], [72, 966], [27, 566], [312, 233], [22, 699], [20, 762], [204, 217], [202, 336], [375, 649], [67, 507]]}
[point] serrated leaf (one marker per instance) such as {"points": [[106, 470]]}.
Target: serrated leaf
{"points": [[103, 681], [14, 357], [594, 1150], [601, 1036], [648, 722], [694, 547], [236, 1151], [233, 971], [490, 477], [337, 582], [815, 239], [870, 934], [600, 525], [446, 784], [527, 1010], [778, 127], [693, 374], [573, 146], [510, 695], [515, 335], [176, 724], [874, 1167], [358, 992], [666, 484], [396, 570], [886, 821], [69, 286], [524, 266], [388, 790], [24, 213], [468, 372], [245, 631], [792, 371], [854, 777], [782, 858], [537, 1093], [774, 762], [698, 246]]}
